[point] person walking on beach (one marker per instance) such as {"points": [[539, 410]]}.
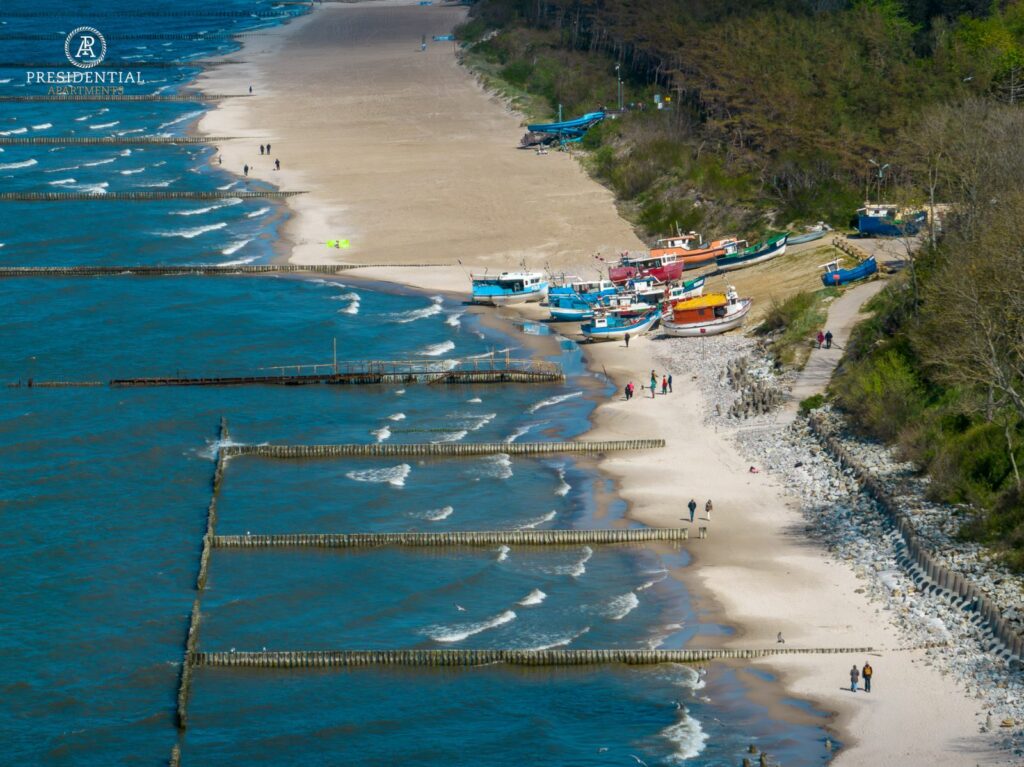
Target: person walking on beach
{"points": [[261, 150], [268, 148], [664, 385], [245, 169], [654, 384], [669, 383], [627, 340], [828, 339], [250, 90], [854, 678], [692, 506], [707, 510], [867, 673], [277, 164], [821, 338]]}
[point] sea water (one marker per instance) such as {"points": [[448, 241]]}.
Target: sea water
{"points": [[104, 491]]}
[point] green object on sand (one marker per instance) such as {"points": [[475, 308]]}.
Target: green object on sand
{"points": [[338, 244]]}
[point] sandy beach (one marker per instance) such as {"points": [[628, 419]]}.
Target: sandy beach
{"points": [[404, 154]]}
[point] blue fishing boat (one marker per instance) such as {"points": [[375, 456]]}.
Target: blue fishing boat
{"points": [[614, 325], [881, 221], [579, 301], [834, 276], [509, 288], [757, 253]]}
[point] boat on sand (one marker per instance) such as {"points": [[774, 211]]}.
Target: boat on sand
{"points": [[707, 315], [509, 288]]}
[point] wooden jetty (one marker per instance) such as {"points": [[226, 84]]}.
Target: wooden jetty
{"points": [[465, 449], [470, 658], [459, 538]]}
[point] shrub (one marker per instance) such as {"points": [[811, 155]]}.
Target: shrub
{"points": [[811, 403]]}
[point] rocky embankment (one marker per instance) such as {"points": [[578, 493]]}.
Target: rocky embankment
{"points": [[858, 532]]}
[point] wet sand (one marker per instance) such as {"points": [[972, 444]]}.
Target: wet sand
{"points": [[403, 154]]}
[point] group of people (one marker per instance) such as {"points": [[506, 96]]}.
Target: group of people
{"points": [[867, 672], [277, 163], [666, 386], [692, 506], [825, 339]]}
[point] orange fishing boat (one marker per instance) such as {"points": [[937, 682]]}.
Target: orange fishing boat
{"points": [[706, 315], [693, 251]]}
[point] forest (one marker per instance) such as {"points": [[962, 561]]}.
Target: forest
{"points": [[781, 112]]}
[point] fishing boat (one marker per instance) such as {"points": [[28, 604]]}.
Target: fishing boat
{"points": [[691, 249], [833, 276], [614, 325], [509, 288], [650, 291], [707, 315], [757, 253], [814, 233], [881, 220], [570, 284], [578, 303]]}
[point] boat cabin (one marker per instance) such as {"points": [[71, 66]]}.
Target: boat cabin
{"points": [[704, 308], [519, 281], [688, 241]]}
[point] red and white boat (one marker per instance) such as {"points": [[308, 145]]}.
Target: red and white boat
{"points": [[671, 256]]}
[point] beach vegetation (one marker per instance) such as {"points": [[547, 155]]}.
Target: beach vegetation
{"points": [[790, 326]]}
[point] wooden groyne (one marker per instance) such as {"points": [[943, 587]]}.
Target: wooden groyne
{"points": [[461, 538], [192, 638], [108, 140], [204, 269], [928, 573], [187, 97], [469, 658], [141, 196], [355, 379], [440, 449]]}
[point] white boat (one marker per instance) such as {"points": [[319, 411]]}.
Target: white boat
{"points": [[651, 291], [707, 315], [509, 288]]}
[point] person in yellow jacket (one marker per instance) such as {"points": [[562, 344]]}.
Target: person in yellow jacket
{"points": [[866, 672]]}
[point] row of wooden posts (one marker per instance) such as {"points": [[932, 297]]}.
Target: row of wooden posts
{"points": [[383, 450], [925, 569], [270, 659], [205, 269], [457, 538]]}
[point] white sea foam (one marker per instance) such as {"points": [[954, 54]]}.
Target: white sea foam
{"points": [[436, 350], [63, 181], [621, 606], [5, 80], [475, 422], [61, 170], [128, 153], [13, 131], [394, 476], [550, 642], [538, 521], [577, 568], [235, 246], [100, 188], [98, 162], [563, 487], [399, 392], [353, 302], [436, 515], [382, 433], [240, 261], [535, 597], [188, 234], [42, 126], [177, 120], [132, 171], [193, 211], [454, 319], [419, 314], [458, 632], [553, 401], [161, 184], [100, 126], [451, 436], [497, 466], [518, 433], [227, 186], [12, 165], [128, 132], [661, 575], [396, 417], [256, 213], [474, 401], [687, 738], [503, 553], [657, 639]]}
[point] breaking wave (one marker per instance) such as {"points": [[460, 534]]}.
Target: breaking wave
{"points": [[553, 401], [395, 476], [458, 632]]}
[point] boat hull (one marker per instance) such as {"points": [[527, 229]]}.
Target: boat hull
{"points": [[571, 315], [800, 239], [510, 299], [619, 332], [861, 271], [742, 260], [710, 327]]}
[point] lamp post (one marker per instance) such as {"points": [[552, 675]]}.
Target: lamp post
{"points": [[881, 172], [618, 79]]}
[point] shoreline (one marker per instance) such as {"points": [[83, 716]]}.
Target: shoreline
{"points": [[740, 582]]}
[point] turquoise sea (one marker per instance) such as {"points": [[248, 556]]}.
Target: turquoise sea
{"points": [[104, 492]]}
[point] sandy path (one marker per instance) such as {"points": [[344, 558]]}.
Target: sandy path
{"points": [[404, 155]]}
